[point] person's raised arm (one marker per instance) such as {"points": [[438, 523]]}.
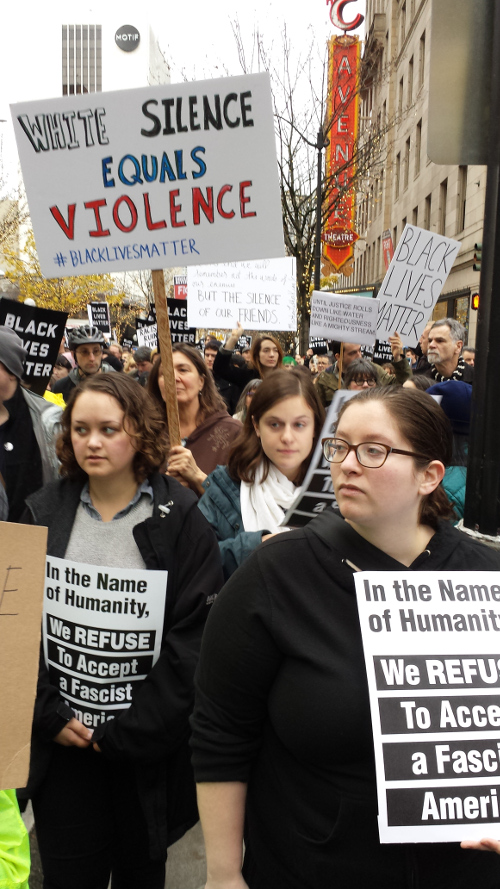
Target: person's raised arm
{"points": [[222, 812]]}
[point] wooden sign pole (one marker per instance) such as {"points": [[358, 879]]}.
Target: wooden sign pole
{"points": [[340, 363], [165, 344]]}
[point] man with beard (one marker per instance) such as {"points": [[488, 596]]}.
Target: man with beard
{"points": [[446, 339]]}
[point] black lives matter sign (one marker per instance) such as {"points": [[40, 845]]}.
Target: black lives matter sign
{"points": [[41, 331], [431, 651]]}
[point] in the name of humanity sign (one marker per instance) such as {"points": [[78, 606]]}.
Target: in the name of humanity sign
{"points": [[152, 178], [431, 649], [259, 295], [102, 631], [347, 319], [413, 282]]}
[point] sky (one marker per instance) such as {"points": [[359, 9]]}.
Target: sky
{"points": [[196, 38]]}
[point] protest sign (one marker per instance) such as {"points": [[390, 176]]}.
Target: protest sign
{"points": [[382, 352], [22, 570], [347, 319], [260, 295], [41, 331], [98, 313], [152, 178], [102, 631], [316, 492], [413, 282], [180, 286], [244, 342], [431, 648], [318, 345], [147, 335]]}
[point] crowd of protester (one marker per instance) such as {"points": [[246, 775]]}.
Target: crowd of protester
{"points": [[278, 769]]}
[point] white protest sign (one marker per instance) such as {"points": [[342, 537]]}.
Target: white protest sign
{"points": [[260, 295], [155, 177], [413, 283], [102, 632], [431, 650], [148, 336], [347, 319]]}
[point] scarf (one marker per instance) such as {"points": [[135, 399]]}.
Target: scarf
{"points": [[264, 503], [456, 375]]}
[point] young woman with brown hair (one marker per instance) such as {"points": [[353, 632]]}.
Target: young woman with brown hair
{"points": [[207, 430], [112, 787], [245, 501], [283, 747], [267, 356]]}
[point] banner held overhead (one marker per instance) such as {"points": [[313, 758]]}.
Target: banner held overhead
{"points": [[153, 177]]}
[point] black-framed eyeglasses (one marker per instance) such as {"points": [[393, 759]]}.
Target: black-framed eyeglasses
{"points": [[370, 454]]}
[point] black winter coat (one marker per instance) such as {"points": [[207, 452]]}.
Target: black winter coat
{"points": [[152, 735]]}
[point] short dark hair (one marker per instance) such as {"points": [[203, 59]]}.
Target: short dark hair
{"points": [[142, 421], [247, 453], [359, 370], [426, 428], [211, 344]]}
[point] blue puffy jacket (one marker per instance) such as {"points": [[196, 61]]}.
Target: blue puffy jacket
{"points": [[221, 506], [454, 485]]}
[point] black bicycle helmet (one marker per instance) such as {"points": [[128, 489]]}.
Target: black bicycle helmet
{"points": [[84, 336]]}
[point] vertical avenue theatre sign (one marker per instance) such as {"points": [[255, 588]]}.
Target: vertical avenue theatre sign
{"points": [[342, 121]]}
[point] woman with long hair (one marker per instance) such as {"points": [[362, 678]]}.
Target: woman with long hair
{"points": [[207, 430], [246, 501], [267, 356], [282, 739], [111, 783]]}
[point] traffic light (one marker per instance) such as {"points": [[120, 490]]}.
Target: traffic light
{"points": [[478, 255], [474, 301]]}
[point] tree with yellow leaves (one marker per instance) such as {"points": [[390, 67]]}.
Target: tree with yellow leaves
{"points": [[69, 294]]}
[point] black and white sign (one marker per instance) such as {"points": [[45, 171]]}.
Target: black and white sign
{"points": [[413, 282], [127, 38], [98, 313], [431, 649], [102, 631], [41, 331], [180, 332]]}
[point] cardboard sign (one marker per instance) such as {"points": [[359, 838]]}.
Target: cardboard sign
{"points": [[260, 295], [41, 331], [152, 178], [147, 335], [347, 319], [431, 649], [102, 632], [98, 313], [413, 283], [22, 570], [316, 492]]}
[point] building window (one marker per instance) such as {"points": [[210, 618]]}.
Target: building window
{"points": [[400, 97], [406, 171], [443, 200], [427, 212], [461, 198], [402, 25], [421, 62], [397, 176], [414, 216], [403, 224], [81, 59], [410, 81], [418, 147], [395, 236]]}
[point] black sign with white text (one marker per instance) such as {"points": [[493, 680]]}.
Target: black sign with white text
{"points": [[41, 331]]}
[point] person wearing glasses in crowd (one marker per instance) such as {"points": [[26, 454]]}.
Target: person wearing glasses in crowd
{"points": [[282, 740], [86, 343], [361, 374]]}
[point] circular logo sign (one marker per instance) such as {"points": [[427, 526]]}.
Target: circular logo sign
{"points": [[127, 38]]}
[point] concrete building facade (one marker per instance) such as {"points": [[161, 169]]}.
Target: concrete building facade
{"points": [[404, 185]]}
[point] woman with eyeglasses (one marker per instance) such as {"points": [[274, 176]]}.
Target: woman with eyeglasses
{"points": [[283, 747], [361, 375]]}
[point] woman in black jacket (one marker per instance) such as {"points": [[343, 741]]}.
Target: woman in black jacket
{"points": [[111, 782], [282, 739]]}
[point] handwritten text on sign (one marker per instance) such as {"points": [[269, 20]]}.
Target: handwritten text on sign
{"points": [[152, 178], [431, 651], [102, 631], [413, 283], [260, 295], [347, 319]]}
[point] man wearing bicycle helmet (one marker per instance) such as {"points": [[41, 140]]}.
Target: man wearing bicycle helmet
{"points": [[86, 343]]}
